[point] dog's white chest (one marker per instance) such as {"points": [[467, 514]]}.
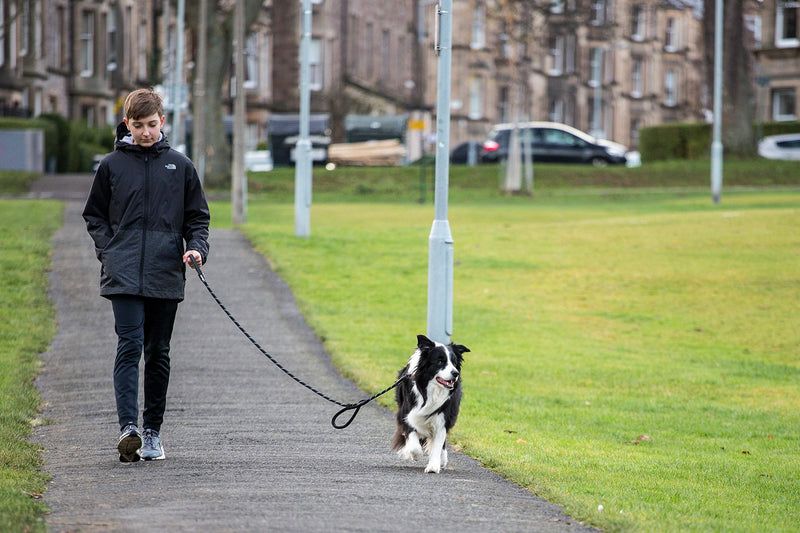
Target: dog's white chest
{"points": [[421, 417]]}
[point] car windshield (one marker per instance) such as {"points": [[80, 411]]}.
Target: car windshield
{"points": [[795, 143]]}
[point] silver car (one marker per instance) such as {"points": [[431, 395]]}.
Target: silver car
{"points": [[786, 147]]}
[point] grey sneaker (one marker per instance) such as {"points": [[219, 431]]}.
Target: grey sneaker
{"points": [[130, 440], [152, 448]]}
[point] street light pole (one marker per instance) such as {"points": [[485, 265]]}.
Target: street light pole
{"points": [[199, 100], [177, 88], [238, 173], [440, 241], [302, 152], [716, 144]]}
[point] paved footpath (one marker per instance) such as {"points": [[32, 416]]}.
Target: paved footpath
{"points": [[247, 448]]}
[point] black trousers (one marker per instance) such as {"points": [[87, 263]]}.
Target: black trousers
{"points": [[142, 324]]}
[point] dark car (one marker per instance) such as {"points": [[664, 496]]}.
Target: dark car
{"points": [[551, 142], [460, 154]]}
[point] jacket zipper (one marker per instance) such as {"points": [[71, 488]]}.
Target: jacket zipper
{"points": [[144, 220]]}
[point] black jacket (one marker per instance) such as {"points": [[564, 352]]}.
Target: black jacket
{"points": [[144, 203]]}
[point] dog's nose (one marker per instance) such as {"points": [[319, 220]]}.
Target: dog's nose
{"points": [[455, 374]]}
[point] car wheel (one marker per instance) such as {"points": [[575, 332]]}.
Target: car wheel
{"points": [[599, 162]]}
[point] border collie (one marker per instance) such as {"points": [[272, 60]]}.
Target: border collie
{"points": [[428, 401]]}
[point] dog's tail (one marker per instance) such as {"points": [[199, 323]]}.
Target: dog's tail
{"points": [[399, 440]]}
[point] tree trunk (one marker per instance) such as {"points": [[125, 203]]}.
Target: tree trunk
{"points": [[219, 71], [738, 114]]}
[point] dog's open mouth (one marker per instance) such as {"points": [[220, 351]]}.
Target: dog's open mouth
{"points": [[446, 384]]}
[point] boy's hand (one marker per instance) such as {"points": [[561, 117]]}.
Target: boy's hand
{"points": [[197, 257]]}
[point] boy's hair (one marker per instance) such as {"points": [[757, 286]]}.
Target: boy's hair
{"points": [[142, 103]]}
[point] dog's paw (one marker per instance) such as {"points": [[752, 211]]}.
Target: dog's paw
{"points": [[410, 453], [416, 454], [433, 468]]}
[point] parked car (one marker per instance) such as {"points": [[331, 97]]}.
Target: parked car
{"points": [[786, 146], [258, 161], [460, 154], [551, 142]]}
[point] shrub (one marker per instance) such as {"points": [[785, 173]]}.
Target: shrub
{"points": [[693, 140]]}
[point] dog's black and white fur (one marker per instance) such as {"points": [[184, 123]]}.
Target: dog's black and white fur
{"points": [[428, 401]]}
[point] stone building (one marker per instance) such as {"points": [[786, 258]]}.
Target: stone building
{"points": [[778, 61], [609, 67]]}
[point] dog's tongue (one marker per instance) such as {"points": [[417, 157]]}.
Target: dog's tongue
{"points": [[446, 383]]}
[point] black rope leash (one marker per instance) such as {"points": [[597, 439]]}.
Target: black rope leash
{"points": [[355, 407]]}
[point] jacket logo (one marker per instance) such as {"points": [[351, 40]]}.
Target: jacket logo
{"points": [[170, 166]]}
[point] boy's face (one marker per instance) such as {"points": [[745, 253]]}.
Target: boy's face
{"points": [[145, 130]]}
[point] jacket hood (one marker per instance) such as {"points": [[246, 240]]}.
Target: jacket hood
{"points": [[124, 140]]}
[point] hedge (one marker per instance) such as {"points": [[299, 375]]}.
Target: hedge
{"points": [[693, 140], [71, 143]]}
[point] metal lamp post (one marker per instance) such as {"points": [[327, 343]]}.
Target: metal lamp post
{"points": [[302, 164], [440, 241], [716, 144]]}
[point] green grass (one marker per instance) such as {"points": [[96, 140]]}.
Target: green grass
{"points": [[481, 183], [610, 305], [27, 324], [637, 350]]}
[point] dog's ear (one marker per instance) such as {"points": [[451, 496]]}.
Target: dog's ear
{"points": [[459, 349], [424, 343]]}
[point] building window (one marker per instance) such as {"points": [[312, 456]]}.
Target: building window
{"points": [[671, 37], [478, 27], [557, 55], [59, 36], [352, 49], [23, 49], [111, 65], [369, 49], [141, 57], [598, 13], [505, 43], [638, 27], [670, 89], [475, 99], [556, 6], [636, 126], [753, 25], [596, 67], [503, 104], [251, 61], [637, 78], [786, 24], [386, 58], [87, 44], [569, 54], [783, 104], [557, 110], [315, 65]]}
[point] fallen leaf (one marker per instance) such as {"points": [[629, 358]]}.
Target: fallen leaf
{"points": [[522, 441]]}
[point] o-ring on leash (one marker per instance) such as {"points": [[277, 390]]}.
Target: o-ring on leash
{"points": [[346, 406]]}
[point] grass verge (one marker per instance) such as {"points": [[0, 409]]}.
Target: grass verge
{"points": [[482, 182], [27, 324], [635, 351]]}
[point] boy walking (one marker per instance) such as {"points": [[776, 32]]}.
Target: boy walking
{"points": [[146, 201]]}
